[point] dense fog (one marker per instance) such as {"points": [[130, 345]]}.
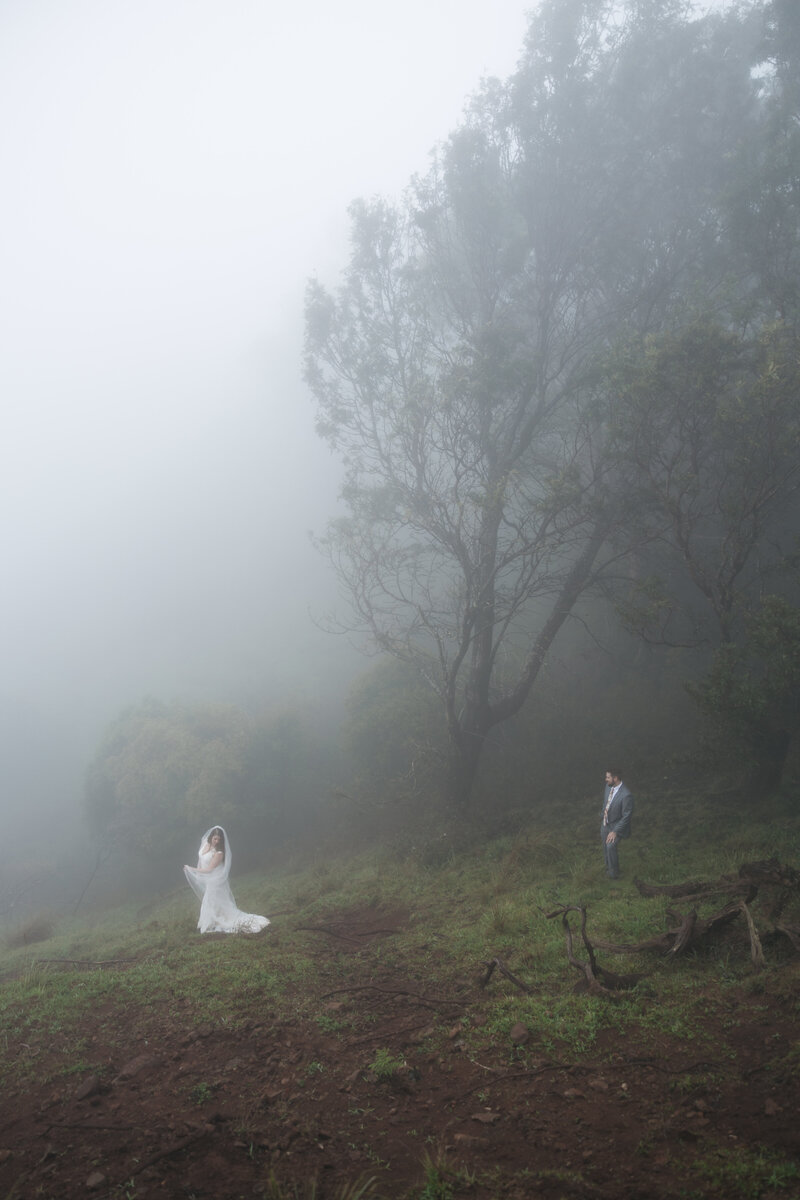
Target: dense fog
{"points": [[174, 172], [461, 336]]}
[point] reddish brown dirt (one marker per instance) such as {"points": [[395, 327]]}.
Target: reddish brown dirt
{"points": [[205, 1111]]}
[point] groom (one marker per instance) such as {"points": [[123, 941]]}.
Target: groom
{"points": [[616, 819]]}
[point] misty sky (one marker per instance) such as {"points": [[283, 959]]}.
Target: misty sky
{"points": [[173, 172]]}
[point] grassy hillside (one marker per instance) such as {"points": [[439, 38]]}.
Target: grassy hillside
{"points": [[354, 1049]]}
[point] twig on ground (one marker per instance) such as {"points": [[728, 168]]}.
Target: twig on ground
{"points": [[372, 987], [496, 963], [175, 1148]]}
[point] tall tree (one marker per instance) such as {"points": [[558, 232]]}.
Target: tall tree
{"points": [[456, 369], [708, 420]]}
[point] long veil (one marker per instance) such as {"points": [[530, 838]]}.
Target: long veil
{"points": [[199, 883]]}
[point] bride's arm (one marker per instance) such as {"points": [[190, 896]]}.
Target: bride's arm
{"points": [[215, 861]]}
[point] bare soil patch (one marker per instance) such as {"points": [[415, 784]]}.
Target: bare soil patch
{"points": [[177, 1109]]}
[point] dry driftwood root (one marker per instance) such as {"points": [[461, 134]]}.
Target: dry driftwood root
{"points": [[688, 930], [596, 979]]}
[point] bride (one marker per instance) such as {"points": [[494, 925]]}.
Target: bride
{"points": [[209, 880]]}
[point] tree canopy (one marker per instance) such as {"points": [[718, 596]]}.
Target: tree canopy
{"points": [[489, 367]]}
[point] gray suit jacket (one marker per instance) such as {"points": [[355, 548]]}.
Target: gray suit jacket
{"points": [[619, 814]]}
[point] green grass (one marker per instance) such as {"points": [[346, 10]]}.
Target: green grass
{"points": [[489, 901], [384, 1065], [485, 902], [743, 1174]]}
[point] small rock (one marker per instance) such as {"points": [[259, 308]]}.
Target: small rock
{"points": [[456, 1030], [467, 1139], [486, 1118], [573, 1094], [95, 1181], [519, 1033], [137, 1066], [599, 1085], [87, 1087], [422, 1034]]}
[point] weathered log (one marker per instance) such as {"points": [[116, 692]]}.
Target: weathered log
{"points": [[771, 871], [761, 872], [693, 929], [688, 932], [663, 942]]}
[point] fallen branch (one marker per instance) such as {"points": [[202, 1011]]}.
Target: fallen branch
{"points": [[495, 963], [663, 943]]}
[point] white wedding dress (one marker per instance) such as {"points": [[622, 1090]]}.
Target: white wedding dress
{"points": [[218, 911]]}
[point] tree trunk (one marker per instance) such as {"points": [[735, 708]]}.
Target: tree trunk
{"points": [[467, 732], [770, 751], [466, 747]]}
